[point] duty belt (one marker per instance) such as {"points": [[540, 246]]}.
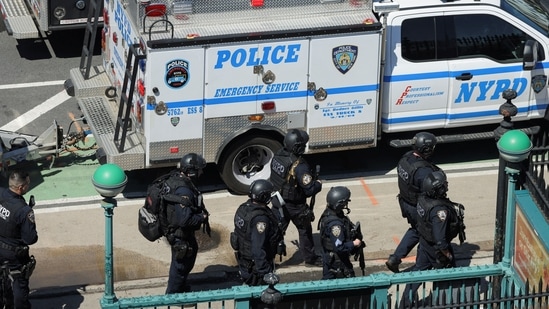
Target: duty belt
{"points": [[5, 246]]}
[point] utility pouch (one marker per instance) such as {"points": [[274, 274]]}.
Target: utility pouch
{"points": [[182, 251], [234, 241], [22, 254]]}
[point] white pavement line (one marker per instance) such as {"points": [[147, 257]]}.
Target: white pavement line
{"points": [[36, 112], [32, 85]]}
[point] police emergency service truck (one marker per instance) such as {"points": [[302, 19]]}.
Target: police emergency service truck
{"points": [[227, 78]]}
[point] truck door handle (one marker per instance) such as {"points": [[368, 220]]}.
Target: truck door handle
{"points": [[464, 76]]}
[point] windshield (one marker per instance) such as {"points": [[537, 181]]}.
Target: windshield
{"points": [[533, 12]]}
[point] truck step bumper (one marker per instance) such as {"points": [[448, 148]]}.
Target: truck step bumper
{"points": [[18, 19]]}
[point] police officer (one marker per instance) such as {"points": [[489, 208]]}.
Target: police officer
{"points": [[437, 224], [412, 168], [17, 232], [184, 218], [336, 235], [256, 234], [293, 178]]}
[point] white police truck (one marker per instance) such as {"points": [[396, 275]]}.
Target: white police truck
{"points": [[228, 78]]}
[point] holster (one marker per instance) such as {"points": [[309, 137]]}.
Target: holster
{"points": [[183, 250]]}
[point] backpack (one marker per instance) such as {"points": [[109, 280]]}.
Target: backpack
{"points": [[153, 220]]}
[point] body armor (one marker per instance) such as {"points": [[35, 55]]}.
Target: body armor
{"points": [[243, 229], [407, 167], [283, 178], [329, 216], [425, 226]]}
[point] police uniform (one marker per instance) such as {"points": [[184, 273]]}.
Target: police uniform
{"points": [[437, 226], [184, 219], [292, 176], [335, 236], [17, 232], [412, 169], [255, 239]]}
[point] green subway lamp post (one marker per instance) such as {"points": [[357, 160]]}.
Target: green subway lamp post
{"points": [[109, 180], [514, 146]]}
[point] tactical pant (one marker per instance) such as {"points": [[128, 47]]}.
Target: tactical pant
{"points": [[337, 265], [304, 229], [181, 266], [19, 284], [411, 236]]}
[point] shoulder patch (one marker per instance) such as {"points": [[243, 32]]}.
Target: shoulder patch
{"points": [[441, 214], [261, 226], [30, 216], [306, 179], [336, 230]]}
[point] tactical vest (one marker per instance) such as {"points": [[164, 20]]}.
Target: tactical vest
{"points": [[283, 177], [174, 182], [327, 217], [425, 226], [243, 229], [8, 209], [407, 167]]}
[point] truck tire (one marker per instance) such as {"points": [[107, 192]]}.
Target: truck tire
{"points": [[246, 160]]}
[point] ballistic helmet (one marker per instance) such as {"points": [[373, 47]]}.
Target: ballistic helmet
{"points": [[435, 185], [192, 164], [295, 141], [261, 191], [338, 198], [424, 143]]}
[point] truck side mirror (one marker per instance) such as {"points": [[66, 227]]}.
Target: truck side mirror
{"points": [[533, 52]]}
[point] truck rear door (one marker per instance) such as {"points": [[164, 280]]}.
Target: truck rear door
{"points": [[343, 87]]}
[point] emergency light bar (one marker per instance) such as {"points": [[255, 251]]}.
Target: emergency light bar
{"points": [[384, 7]]}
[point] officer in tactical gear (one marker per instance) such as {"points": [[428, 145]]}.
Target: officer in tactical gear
{"points": [[291, 175], [17, 233], [336, 236], [184, 218], [437, 224], [412, 168], [256, 235]]}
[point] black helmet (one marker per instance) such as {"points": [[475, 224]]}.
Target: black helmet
{"points": [[424, 143], [338, 198], [435, 184], [295, 141], [261, 191], [192, 164]]}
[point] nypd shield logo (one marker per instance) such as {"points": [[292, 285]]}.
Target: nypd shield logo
{"points": [[344, 57], [539, 82], [261, 226], [336, 230], [174, 121]]}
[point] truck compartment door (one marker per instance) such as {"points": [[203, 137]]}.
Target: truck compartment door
{"points": [[343, 87], [175, 80]]}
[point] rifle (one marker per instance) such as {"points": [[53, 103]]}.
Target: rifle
{"points": [[356, 233], [460, 211], [206, 229], [313, 198], [278, 202]]}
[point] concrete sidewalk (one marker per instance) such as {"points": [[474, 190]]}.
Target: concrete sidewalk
{"points": [[70, 251]]}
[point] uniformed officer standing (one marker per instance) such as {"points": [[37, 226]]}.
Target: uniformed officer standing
{"points": [[336, 236], [437, 224], [291, 175], [184, 219], [412, 168], [17, 233], [256, 234]]}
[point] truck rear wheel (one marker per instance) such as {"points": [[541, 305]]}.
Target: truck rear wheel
{"points": [[247, 160]]}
